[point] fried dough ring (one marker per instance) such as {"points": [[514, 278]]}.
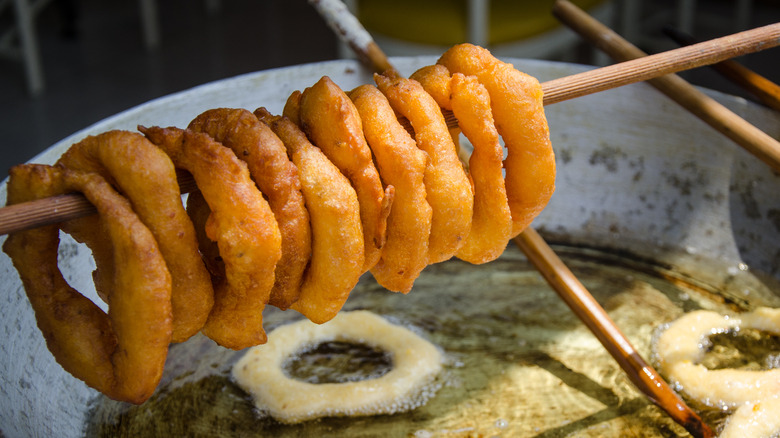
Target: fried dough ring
{"points": [[277, 178], [448, 188], [491, 225], [91, 231], [402, 165], [416, 362], [154, 194], [516, 100], [755, 419], [122, 353], [337, 236], [679, 348], [330, 120], [242, 224]]}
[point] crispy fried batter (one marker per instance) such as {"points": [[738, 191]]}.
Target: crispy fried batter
{"points": [[122, 353], [242, 224], [448, 188], [491, 226], [154, 194], [337, 237], [292, 108], [516, 99], [277, 178], [401, 164], [332, 123], [435, 79]]}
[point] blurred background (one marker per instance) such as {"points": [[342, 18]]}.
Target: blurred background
{"points": [[97, 58]]}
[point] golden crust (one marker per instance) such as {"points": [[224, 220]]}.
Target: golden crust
{"points": [[277, 178], [491, 226], [435, 79], [448, 188], [258, 254], [516, 100], [242, 224], [401, 165], [122, 353], [154, 194], [337, 236], [330, 120]]}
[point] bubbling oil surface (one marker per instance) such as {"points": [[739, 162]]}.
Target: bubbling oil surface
{"points": [[518, 362], [338, 362]]}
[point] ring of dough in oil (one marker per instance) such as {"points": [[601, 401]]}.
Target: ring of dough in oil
{"points": [[759, 419], [415, 364], [679, 350]]}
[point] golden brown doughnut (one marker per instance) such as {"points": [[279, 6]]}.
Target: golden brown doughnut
{"points": [[401, 165], [448, 188], [491, 225], [277, 178], [242, 224], [337, 236], [516, 99], [154, 194], [122, 353], [330, 120]]}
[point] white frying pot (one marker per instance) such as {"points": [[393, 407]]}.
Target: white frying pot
{"points": [[636, 175]]}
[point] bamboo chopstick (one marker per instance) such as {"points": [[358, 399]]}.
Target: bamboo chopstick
{"points": [[45, 211], [716, 115], [563, 281], [766, 91], [588, 310]]}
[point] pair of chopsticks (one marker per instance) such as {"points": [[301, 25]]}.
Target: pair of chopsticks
{"points": [[710, 111], [764, 90], [550, 266]]}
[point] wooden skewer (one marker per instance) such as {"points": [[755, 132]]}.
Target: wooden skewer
{"points": [[638, 68], [45, 211], [716, 115], [766, 91], [577, 297]]}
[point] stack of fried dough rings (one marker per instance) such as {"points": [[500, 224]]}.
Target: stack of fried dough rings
{"points": [[290, 210]]}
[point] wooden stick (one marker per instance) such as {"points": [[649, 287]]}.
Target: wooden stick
{"points": [[348, 28], [588, 310], [638, 68], [47, 211], [716, 115], [596, 319], [766, 91]]}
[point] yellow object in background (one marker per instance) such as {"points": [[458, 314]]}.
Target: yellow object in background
{"points": [[445, 22]]}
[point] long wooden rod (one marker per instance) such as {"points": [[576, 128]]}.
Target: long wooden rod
{"points": [[757, 142], [48, 211], [638, 68], [766, 91], [573, 293]]}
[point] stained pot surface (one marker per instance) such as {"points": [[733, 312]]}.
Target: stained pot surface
{"points": [[638, 179]]}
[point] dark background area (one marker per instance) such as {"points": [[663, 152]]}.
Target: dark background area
{"points": [[96, 63]]}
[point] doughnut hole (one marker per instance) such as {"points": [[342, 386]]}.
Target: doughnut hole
{"points": [[338, 362], [746, 349]]}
